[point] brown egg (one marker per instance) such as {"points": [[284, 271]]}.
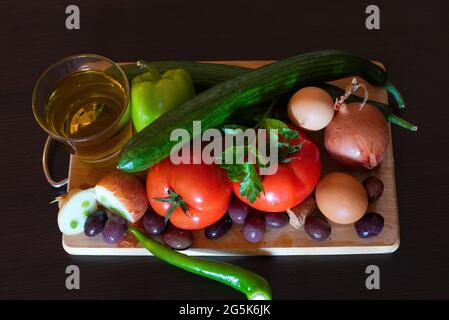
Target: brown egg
{"points": [[311, 108], [341, 198]]}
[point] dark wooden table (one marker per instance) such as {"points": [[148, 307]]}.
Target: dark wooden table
{"points": [[412, 43]]}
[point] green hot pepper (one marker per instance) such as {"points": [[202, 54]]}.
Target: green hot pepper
{"points": [[254, 286], [152, 94]]}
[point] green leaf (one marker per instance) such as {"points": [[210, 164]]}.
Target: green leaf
{"points": [[233, 129], [283, 144], [288, 134], [288, 150], [283, 129], [251, 186], [276, 129], [269, 123], [261, 160], [235, 172], [236, 153]]}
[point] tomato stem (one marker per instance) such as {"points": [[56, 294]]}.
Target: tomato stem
{"points": [[176, 201]]}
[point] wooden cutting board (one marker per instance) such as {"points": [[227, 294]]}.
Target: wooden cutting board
{"points": [[285, 241]]}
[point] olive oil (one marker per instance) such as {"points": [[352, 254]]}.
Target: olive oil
{"points": [[91, 110]]}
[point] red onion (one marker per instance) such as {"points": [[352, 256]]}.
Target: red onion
{"points": [[357, 137]]}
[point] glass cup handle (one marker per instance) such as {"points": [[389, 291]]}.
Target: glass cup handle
{"points": [[53, 183]]}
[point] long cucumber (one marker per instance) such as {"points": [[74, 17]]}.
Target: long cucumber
{"points": [[208, 74], [213, 106]]}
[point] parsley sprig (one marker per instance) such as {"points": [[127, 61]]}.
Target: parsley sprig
{"points": [[245, 172]]}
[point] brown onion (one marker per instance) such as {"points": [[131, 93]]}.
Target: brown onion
{"points": [[356, 137]]}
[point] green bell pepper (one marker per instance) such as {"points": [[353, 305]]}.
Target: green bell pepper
{"points": [[152, 94]]}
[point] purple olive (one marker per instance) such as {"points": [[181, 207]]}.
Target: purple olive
{"points": [[114, 229], [153, 223], [238, 210], [178, 239], [254, 228], [370, 225], [317, 228], [276, 220], [95, 223], [219, 228], [374, 188]]}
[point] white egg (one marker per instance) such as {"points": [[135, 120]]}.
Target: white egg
{"points": [[311, 108]]}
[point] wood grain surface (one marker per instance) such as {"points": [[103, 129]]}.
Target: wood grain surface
{"points": [[285, 241], [412, 43]]}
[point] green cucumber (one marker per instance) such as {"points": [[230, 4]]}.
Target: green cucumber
{"points": [[213, 106], [207, 74]]}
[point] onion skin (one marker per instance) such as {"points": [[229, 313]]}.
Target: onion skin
{"points": [[357, 138], [128, 190]]}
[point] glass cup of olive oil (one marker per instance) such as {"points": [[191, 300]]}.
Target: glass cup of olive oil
{"points": [[83, 102]]}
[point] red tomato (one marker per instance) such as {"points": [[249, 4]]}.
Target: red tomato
{"points": [[292, 183], [204, 188]]}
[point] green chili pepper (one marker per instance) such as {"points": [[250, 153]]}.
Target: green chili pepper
{"points": [[254, 286], [152, 94]]}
